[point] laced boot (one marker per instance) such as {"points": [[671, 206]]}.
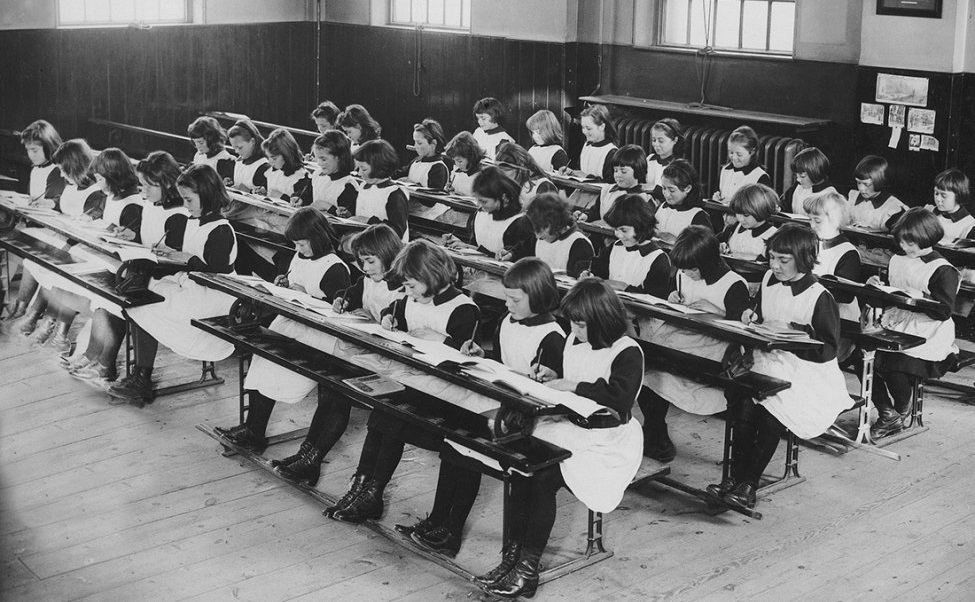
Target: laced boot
{"points": [[41, 332], [720, 489], [136, 390], [30, 320], [355, 487], [306, 469], [367, 505], [522, 580], [440, 539], [60, 341], [742, 495], [510, 555], [422, 526], [243, 436], [889, 422], [95, 373], [305, 448]]}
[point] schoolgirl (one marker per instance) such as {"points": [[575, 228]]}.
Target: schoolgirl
{"points": [[629, 173], [209, 138], [251, 166], [333, 189], [595, 158], [489, 134], [433, 309], [209, 245], [287, 178], [499, 224], [752, 205], [429, 168], [951, 198], [742, 167], [601, 363], [557, 241], [116, 177], [790, 296], [163, 222], [380, 200], [318, 271], [546, 134], [811, 169], [872, 207], [527, 335], [703, 282], [325, 116], [633, 263], [515, 162], [682, 206], [918, 269], [466, 154], [667, 141], [359, 126], [45, 185]]}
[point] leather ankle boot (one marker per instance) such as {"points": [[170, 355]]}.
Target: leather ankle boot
{"points": [[720, 489], [60, 341], [439, 539], [307, 468], [510, 556], [367, 505], [243, 436], [742, 495], [136, 390], [305, 447], [354, 488], [522, 580], [41, 332]]}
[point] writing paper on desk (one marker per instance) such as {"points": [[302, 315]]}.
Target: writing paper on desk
{"points": [[500, 374], [395, 336], [651, 300], [14, 199], [893, 290], [305, 300]]}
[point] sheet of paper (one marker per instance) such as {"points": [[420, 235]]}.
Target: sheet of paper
{"points": [[652, 300], [138, 252], [895, 137]]}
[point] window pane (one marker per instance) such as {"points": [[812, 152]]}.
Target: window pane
{"points": [[97, 11], [419, 12], [726, 23], [453, 13], [466, 20], [700, 11], [123, 11], [72, 11], [436, 13], [675, 22], [401, 11], [754, 24], [172, 10], [783, 26]]}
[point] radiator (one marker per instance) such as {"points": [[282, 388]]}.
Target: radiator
{"points": [[707, 150]]}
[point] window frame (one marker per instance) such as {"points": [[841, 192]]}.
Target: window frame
{"points": [[188, 19], [659, 23], [428, 26]]}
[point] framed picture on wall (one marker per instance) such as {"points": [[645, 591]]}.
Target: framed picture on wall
{"points": [[910, 8]]}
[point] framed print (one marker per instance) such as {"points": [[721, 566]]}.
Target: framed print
{"points": [[902, 89], [910, 8]]}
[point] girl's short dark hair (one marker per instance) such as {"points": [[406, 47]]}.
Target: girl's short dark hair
{"points": [[281, 143], [432, 131], [515, 156], [683, 174], [337, 144], [490, 106], [493, 184], [918, 226], [246, 129], [954, 180], [746, 137], [548, 126], [379, 240], [632, 156], [673, 130], [595, 303], [381, 157], [873, 168], [465, 146], [116, 167], [812, 162], [632, 210], [74, 157], [534, 277], [358, 116], [426, 263], [210, 130], [311, 224], [756, 200], [697, 247], [43, 133], [207, 183], [550, 211], [600, 116], [159, 168], [326, 110], [796, 240]]}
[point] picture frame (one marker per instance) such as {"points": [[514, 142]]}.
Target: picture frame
{"points": [[930, 9]]}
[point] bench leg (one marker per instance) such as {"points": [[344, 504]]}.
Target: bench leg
{"points": [[917, 405], [208, 378], [594, 540], [729, 436], [243, 363], [866, 394], [791, 457]]}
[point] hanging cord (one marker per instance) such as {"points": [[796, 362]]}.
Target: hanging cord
{"points": [[318, 51], [417, 60], [705, 56], [599, 55]]}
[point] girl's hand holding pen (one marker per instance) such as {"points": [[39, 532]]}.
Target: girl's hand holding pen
{"points": [[472, 349], [124, 233], [296, 201], [388, 322], [259, 191], [342, 212], [749, 316], [339, 305], [281, 280], [542, 373], [875, 280], [675, 297], [504, 255]]}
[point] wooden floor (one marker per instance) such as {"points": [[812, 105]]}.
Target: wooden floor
{"points": [[116, 503]]}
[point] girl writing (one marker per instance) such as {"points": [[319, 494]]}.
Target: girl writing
{"points": [[515, 162], [596, 157], [359, 126], [380, 200], [209, 138], [546, 134], [333, 189], [951, 197], [811, 168], [629, 173], [489, 134], [667, 141], [742, 167], [498, 225], [557, 241], [287, 178], [466, 154], [873, 207], [682, 207]]}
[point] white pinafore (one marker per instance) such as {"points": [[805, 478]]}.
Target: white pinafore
{"points": [[372, 200], [520, 343], [826, 264], [489, 232], [326, 190], [914, 273], [543, 155], [593, 157], [630, 265], [743, 242], [556, 254]]}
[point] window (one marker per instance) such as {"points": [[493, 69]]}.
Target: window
{"points": [[74, 13], [440, 14], [766, 26]]}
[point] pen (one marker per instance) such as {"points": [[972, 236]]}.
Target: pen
{"points": [[162, 238], [474, 331], [536, 362]]}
